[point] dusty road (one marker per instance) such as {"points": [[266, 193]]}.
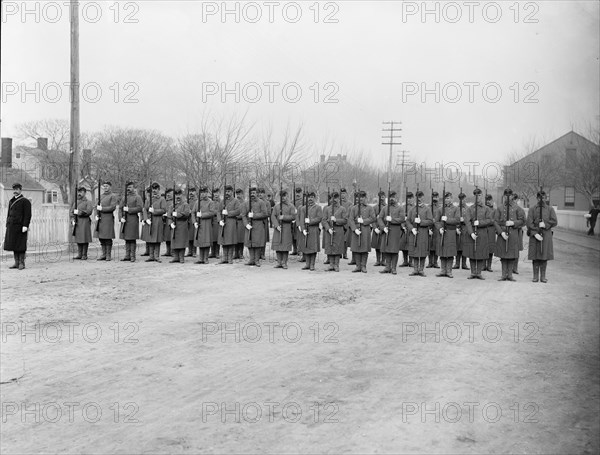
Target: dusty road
{"points": [[168, 358]]}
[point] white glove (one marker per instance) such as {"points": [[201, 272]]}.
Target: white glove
{"points": [[444, 218], [357, 231], [172, 225], [538, 237], [442, 231], [24, 229], [126, 209], [250, 214], [278, 228], [476, 223], [97, 218], [196, 225], [198, 214], [330, 231], [404, 228], [151, 209], [542, 224], [305, 232], [248, 226], [360, 220], [73, 222], [417, 220], [98, 207], [510, 223], [75, 212], [123, 220], [175, 214], [333, 218], [414, 231], [474, 236], [504, 235], [430, 232], [148, 222], [587, 215], [221, 223], [224, 212], [462, 219], [306, 220], [377, 231], [386, 230], [388, 218], [458, 231]]}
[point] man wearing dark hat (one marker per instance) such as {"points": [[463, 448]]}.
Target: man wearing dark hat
{"points": [[82, 227], [335, 217], [205, 210], [167, 231], [420, 220], [227, 227], [105, 217], [390, 221], [297, 202], [376, 232], [239, 224], [360, 219], [476, 244], [130, 221], [591, 218], [409, 203], [491, 234], [263, 197], [520, 231], [255, 212], [433, 233], [192, 202], [310, 217], [461, 232], [216, 197], [300, 202], [17, 224], [508, 221], [155, 215], [177, 219], [282, 218], [540, 221], [344, 202], [145, 227], [447, 220]]}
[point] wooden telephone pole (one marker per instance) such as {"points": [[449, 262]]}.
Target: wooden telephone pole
{"points": [[391, 141], [74, 129]]}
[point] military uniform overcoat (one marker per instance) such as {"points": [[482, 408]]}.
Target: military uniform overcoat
{"points": [[83, 231], [310, 243], [179, 236], [517, 216], [106, 229], [477, 251], [132, 226], [282, 241], [391, 242], [257, 236], [204, 232], [19, 215], [228, 233], [335, 246], [448, 249], [368, 215], [155, 232], [420, 248], [543, 250], [375, 237]]}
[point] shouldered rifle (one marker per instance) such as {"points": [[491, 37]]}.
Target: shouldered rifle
{"points": [[476, 217], [378, 206], [173, 209], [360, 224], [76, 216], [124, 214], [541, 219], [331, 208], [249, 210], [99, 214], [306, 216], [150, 205], [224, 205], [417, 207], [443, 213], [387, 223], [507, 217]]}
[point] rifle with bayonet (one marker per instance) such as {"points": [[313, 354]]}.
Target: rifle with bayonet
{"points": [[174, 210], [476, 217], [331, 208], [75, 221], [387, 223], [98, 213], [507, 227], [541, 219], [224, 205], [417, 207], [359, 224], [123, 213], [249, 210], [306, 216], [443, 213]]}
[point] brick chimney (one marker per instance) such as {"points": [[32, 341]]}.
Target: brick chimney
{"points": [[42, 143], [6, 159], [322, 158]]}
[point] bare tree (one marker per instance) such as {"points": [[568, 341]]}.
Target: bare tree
{"points": [[583, 170]]}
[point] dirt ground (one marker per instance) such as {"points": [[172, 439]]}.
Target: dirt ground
{"points": [[168, 358]]}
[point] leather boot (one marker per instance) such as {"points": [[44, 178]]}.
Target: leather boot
{"points": [[109, 251], [103, 257], [378, 261], [449, 267], [286, 255], [543, 265], [175, 254], [151, 253], [443, 270], [84, 255], [364, 257], [357, 262], [536, 271], [415, 262], [132, 252], [127, 256], [404, 259], [504, 270], [22, 260], [457, 261], [388, 264], [473, 270], [464, 263], [147, 252], [393, 263], [79, 251]]}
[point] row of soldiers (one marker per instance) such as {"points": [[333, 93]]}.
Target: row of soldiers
{"points": [[448, 232]]}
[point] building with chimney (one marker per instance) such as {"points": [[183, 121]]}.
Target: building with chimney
{"points": [[11, 174]]}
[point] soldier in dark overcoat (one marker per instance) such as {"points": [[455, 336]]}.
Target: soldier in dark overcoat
{"points": [[461, 232], [310, 216], [376, 232], [540, 221], [335, 218], [475, 246], [254, 215], [390, 222], [282, 217], [105, 219], [446, 222], [419, 222], [227, 225], [155, 215], [360, 218], [508, 221], [17, 225], [177, 217], [129, 213], [205, 211], [82, 225]]}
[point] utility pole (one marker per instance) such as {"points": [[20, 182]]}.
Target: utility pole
{"points": [[74, 130], [391, 140]]}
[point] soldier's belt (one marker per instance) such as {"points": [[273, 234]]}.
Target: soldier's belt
{"points": [[450, 228]]}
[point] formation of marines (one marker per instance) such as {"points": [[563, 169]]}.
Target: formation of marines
{"points": [[211, 227]]}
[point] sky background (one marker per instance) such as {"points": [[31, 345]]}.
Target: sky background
{"points": [[370, 56]]}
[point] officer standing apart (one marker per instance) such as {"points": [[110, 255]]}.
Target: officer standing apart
{"points": [[540, 221], [17, 225]]}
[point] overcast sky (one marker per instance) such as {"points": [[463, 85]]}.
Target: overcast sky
{"points": [[524, 70]]}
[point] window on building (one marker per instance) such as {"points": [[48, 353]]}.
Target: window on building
{"points": [[51, 197], [569, 196], [17, 155]]}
